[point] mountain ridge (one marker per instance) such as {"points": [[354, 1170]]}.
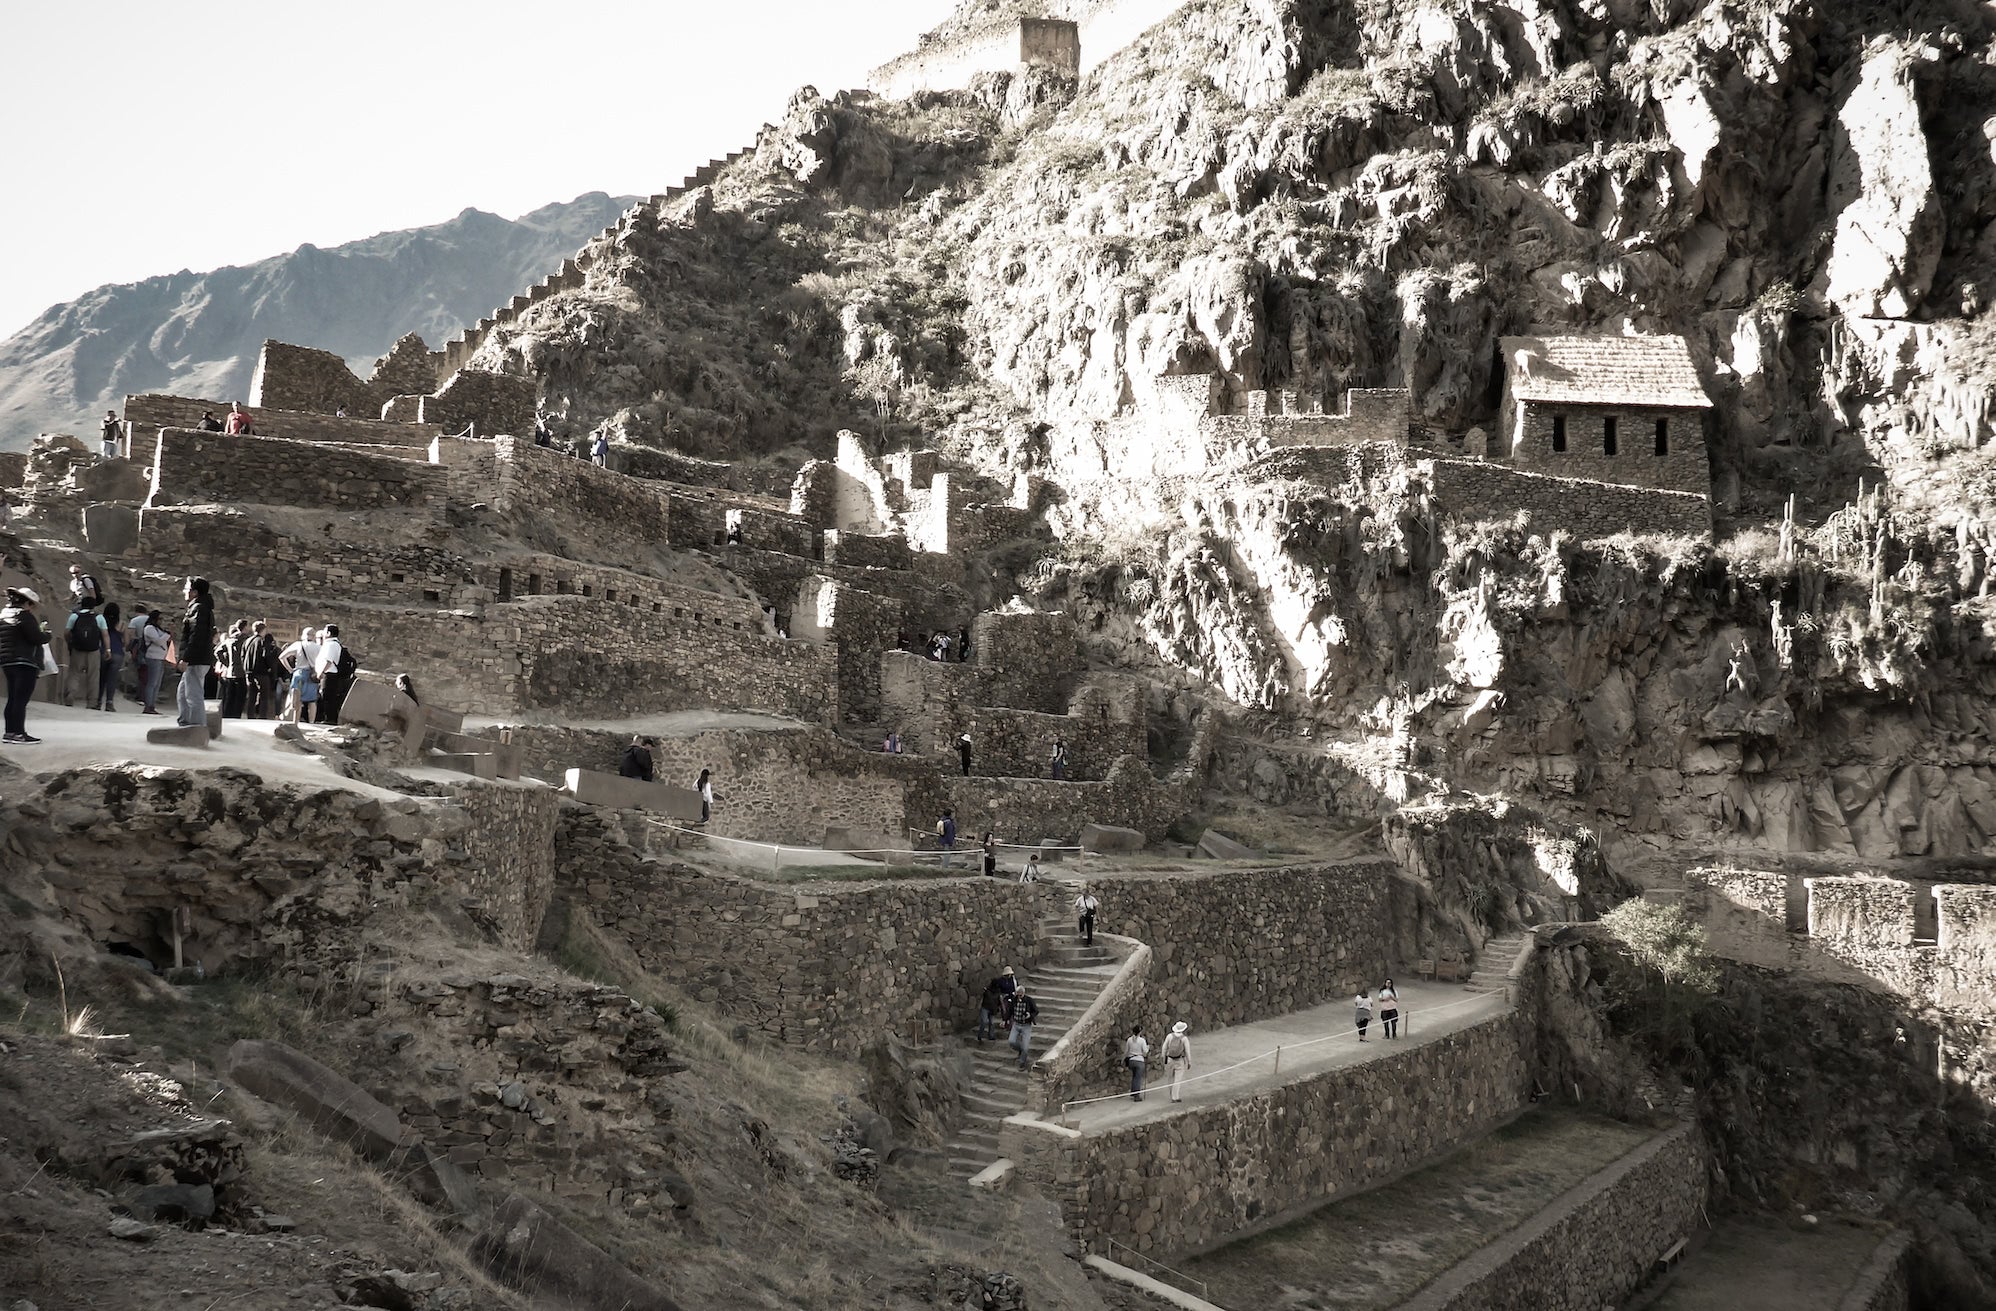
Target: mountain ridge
{"points": [[197, 332]]}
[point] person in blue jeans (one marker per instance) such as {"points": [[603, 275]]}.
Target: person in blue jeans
{"points": [[1024, 1012], [946, 837], [1136, 1052]]}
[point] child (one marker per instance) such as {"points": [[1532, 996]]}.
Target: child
{"points": [[304, 694]]}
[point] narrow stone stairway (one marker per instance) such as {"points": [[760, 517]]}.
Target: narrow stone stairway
{"points": [[1064, 979], [1494, 962]]}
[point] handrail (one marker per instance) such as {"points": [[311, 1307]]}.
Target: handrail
{"points": [[1153, 1261]]}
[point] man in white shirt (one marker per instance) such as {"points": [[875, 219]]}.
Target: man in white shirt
{"points": [[1135, 1052], [1177, 1057], [332, 687], [1085, 907]]}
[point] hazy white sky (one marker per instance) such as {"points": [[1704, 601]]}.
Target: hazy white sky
{"points": [[143, 138]]}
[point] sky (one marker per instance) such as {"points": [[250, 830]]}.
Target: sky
{"points": [[139, 139]]}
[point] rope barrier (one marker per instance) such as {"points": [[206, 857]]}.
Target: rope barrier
{"points": [[1276, 1052]]}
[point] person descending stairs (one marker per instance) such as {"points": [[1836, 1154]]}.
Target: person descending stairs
{"points": [[1065, 979]]}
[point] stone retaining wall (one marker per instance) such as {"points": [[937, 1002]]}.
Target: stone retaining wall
{"points": [[699, 519], [510, 842], [1028, 809], [1203, 1174], [607, 513], [833, 966], [223, 543], [783, 785], [549, 575], [149, 412], [212, 467], [1593, 1245], [1475, 489], [1884, 1283]]}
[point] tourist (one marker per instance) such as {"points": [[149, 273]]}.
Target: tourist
{"points": [[23, 657], [1136, 1051], [1177, 1057], [599, 455], [264, 672], [963, 752], [304, 694], [209, 423], [892, 746], [232, 664], [1030, 871], [946, 837], [196, 654], [1057, 767], [152, 649], [334, 670], [6, 510], [304, 651], [637, 761], [113, 430], [239, 421], [1362, 1004], [113, 660], [705, 787], [84, 587], [1025, 1012], [1085, 907], [407, 687], [543, 435], [962, 645], [1389, 1009], [83, 635], [135, 649], [989, 1007], [989, 845]]}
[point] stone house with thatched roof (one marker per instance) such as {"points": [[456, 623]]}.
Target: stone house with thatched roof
{"points": [[1627, 410]]}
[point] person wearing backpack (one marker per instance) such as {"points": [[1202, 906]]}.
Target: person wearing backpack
{"points": [[263, 672], [1025, 1013], [335, 670], [84, 637], [233, 669], [637, 762]]}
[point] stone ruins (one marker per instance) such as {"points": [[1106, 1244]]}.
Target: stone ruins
{"points": [[936, 726]]}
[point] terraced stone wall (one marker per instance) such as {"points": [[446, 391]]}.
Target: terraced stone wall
{"points": [[831, 966]]}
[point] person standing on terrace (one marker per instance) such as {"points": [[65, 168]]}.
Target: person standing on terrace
{"points": [[239, 421]]}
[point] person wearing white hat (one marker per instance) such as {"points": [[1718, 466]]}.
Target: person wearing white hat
{"points": [[22, 644], [1177, 1053]]}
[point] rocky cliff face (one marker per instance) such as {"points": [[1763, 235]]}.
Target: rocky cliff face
{"points": [[197, 334]]}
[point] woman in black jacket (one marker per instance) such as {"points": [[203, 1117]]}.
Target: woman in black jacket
{"points": [[21, 643]]}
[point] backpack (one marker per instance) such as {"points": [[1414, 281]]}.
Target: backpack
{"points": [[84, 635], [348, 664], [1174, 1046]]}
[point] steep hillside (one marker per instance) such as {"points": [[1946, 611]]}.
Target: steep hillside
{"points": [[197, 334]]}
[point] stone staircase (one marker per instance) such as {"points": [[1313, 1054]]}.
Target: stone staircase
{"points": [[570, 275], [1065, 979], [1494, 962]]}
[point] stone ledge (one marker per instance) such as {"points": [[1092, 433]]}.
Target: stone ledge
{"points": [[1163, 1292]]}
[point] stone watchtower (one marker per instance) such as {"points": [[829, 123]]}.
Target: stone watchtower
{"points": [[1626, 410]]}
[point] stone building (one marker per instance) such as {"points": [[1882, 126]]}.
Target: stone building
{"points": [[1627, 410]]}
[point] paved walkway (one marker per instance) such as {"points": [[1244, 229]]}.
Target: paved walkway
{"points": [[1427, 1011]]}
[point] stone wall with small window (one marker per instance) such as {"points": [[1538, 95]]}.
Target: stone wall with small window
{"points": [[1658, 448]]}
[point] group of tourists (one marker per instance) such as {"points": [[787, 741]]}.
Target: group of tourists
{"points": [[1006, 1003], [238, 424], [243, 667], [1386, 1003]]}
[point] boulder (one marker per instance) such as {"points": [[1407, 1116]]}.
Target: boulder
{"points": [[183, 1203], [333, 1104], [379, 706], [174, 735], [1108, 837], [528, 1249], [344, 1112], [599, 789], [1219, 846]]}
